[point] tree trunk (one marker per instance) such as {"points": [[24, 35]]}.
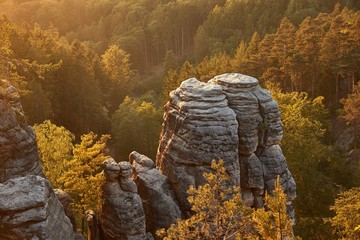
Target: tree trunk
{"points": [[182, 39], [355, 132], [336, 91]]}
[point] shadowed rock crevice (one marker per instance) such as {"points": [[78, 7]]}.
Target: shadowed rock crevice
{"points": [[161, 210]]}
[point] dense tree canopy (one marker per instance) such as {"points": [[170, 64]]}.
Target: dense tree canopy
{"points": [[219, 213], [99, 65], [346, 221]]}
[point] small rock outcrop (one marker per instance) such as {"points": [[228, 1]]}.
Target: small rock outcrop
{"points": [[231, 118], [122, 216], [160, 208], [29, 208]]}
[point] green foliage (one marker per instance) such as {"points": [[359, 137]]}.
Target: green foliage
{"points": [[305, 122], [115, 62], [82, 177], [218, 210], [219, 213], [273, 221], [74, 169], [55, 149], [136, 125], [351, 112], [346, 221]]}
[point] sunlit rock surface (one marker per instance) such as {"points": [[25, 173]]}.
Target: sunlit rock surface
{"points": [[231, 118], [29, 208]]}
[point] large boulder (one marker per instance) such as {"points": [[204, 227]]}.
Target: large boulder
{"points": [[231, 118], [160, 208], [29, 209]]}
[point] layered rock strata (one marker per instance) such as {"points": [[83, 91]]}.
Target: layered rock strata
{"points": [[66, 201], [198, 127], [122, 216], [18, 150], [232, 118], [29, 208], [160, 208]]}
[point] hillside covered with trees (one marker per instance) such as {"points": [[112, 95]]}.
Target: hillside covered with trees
{"points": [[96, 73]]}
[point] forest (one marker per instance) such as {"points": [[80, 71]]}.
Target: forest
{"points": [[94, 75]]}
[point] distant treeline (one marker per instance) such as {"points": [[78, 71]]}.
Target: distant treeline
{"points": [[148, 29]]}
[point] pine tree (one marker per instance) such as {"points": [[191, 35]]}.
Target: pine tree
{"points": [[283, 49], [82, 177], [252, 58], [272, 222], [55, 149], [307, 46], [346, 221], [352, 108], [218, 211]]}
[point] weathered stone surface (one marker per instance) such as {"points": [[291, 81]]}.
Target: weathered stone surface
{"points": [[29, 209], [160, 208], [18, 150], [122, 216], [198, 127], [66, 202], [232, 118]]}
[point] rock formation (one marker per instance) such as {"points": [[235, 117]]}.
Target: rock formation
{"points": [[198, 127], [122, 216], [231, 118], [160, 208], [29, 208], [66, 202], [18, 150]]}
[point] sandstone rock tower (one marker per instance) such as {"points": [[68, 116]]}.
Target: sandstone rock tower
{"points": [[231, 118]]}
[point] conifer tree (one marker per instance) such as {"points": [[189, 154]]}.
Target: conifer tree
{"points": [[352, 108], [55, 149], [82, 177], [272, 222], [218, 211], [282, 50], [346, 221]]}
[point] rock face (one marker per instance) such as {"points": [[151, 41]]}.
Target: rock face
{"points": [[122, 216], [66, 201], [199, 126], [160, 208], [18, 149], [29, 208], [231, 118]]}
